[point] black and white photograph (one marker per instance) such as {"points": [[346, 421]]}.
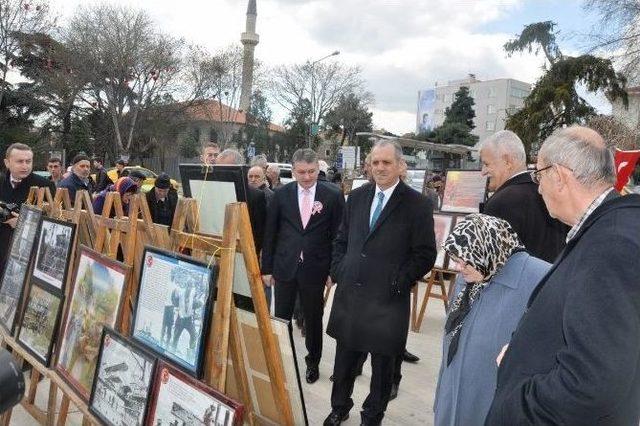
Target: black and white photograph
{"points": [[25, 233], [40, 323], [123, 381], [173, 306], [11, 291], [181, 400], [54, 250]]}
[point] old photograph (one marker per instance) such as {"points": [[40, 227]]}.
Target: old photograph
{"points": [[123, 381], [172, 307], [95, 302], [181, 400], [11, 291], [54, 248], [39, 323], [25, 234]]}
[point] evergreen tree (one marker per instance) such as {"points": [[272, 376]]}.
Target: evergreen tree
{"points": [[461, 110]]}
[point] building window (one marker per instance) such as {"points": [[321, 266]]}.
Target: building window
{"points": [[490, 126], [518, 93], [492, 92], [491, 109]]}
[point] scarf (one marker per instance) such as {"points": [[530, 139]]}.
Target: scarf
{"points": [[485, 243]]}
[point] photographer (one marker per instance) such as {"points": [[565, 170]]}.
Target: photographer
{"points": [[14, 189]]}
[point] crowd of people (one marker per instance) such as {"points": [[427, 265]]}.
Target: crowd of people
{"points": [[544, 323]]}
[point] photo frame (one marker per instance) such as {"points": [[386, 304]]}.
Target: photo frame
{"points": [[173, 308], [214, 187], [443, 224], [39, 323], [178, 398], [53, 252], [95, 300], [464, 190], [123, 381], [14, 277]]}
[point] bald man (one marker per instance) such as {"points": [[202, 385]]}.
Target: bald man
{"points": [[257, 180]]}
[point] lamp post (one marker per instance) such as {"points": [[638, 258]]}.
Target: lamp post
{"points": [[313, 91]]}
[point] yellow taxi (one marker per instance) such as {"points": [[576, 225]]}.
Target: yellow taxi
{"points": [[149, 181]]}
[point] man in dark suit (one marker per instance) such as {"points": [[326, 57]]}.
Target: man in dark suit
{"points": [[574, 359], [162, 200], [102, 179], [14, 188], [516, 198], [302, 222], [385, 244]]}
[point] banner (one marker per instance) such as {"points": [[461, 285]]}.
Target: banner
{"points": [[426, 110], [625, 165]]}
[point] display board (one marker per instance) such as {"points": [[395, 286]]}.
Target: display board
{"points": [[464, 190]]}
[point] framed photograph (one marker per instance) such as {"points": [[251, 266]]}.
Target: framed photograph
{"points": [[123, 381], [464, 190], [214, 187], [15, 272], [442, 224], [178, 399], [54, 248], [95, 301], [173, 307], [39, 323]]}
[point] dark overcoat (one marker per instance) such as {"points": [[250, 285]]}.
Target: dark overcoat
{"points": [[285, 239], [376, 268], [574, 358]]}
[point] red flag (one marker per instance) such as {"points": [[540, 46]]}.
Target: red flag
{"points": [[625, 165]]}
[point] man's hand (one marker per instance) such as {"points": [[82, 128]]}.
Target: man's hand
{"points": [[268, 280], [329, 282], [501, 354], [13, 221]]}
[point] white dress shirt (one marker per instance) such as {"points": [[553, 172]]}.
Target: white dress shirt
{"points": [[387, 195], [312, 190]]}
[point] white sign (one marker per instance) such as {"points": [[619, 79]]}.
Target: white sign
{"points": [[350, 157]]}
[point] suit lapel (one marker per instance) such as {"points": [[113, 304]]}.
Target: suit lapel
{"points": [[393, 202], [320, 196]]}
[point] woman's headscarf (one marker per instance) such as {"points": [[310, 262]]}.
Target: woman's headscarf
{"points": [[485, 243]]}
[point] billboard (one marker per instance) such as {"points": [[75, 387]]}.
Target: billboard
{"points": [[426, 109]]}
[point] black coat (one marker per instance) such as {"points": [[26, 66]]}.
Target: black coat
{"points": [[257, 206], [518, 202], [102, 180], [170, 202], [375, 270], [73, 184], [574, 359], [285, 238], [17, 195]]}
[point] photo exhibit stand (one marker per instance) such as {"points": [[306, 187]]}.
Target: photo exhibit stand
{"points": [[436, 278]]}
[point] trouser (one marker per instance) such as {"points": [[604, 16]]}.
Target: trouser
{"points": [[181, 324], [311, 292], [167, 323], [344, 376], [397, 370]]}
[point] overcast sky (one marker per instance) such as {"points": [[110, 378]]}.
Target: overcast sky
{"points": [[402, 45]]}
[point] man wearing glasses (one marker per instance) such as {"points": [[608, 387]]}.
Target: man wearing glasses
{"points": [[516, 197], [574, 359]]}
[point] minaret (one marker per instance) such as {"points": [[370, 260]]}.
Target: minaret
{"points": [[249, 40]]}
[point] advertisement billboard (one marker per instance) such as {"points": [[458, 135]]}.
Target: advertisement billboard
{"points": [[426, 107]]}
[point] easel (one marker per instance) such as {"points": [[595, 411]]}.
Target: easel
{"points": [[436, 278], [224, 335]]}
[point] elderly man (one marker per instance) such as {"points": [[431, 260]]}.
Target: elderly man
{"points": [[210, 153], [162, 200], [257, 180], [385, 244], [79, 178], [574, 359], [516, 197], [273, 176]]}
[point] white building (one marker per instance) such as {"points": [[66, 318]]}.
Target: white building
{"points": [[494, 99], [629, 116]]}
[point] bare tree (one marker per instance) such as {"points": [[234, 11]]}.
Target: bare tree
{"points": [[321, 83], [129, 62], [24, 17]]}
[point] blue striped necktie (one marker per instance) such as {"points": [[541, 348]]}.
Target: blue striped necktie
{"points": [[377, 211]]}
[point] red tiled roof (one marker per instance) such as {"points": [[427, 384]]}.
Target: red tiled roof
{"points": [[212, 110]]}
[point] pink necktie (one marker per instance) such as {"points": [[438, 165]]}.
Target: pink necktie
{"points": [[305, 211]]}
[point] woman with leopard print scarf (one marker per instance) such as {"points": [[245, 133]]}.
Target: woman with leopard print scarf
{"points": [[495, 279]]}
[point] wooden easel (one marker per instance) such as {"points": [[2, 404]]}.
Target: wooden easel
{"points": [[224, 335], [436, 278]]}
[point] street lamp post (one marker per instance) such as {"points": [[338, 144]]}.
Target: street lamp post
{"points": [[313, 91]]}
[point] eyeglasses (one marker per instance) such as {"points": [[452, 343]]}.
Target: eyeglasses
{"points": [[535, 174]]}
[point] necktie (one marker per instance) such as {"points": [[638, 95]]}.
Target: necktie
{"points": [[378, 209], [305, 211]]}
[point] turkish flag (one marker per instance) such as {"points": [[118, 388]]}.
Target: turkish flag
{"points": [[625, 165]]}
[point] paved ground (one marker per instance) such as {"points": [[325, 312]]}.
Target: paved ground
{"points": [[415, 399]]}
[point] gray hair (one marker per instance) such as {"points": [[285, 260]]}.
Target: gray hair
{"points": [[237, 157], [582, 150], [389, 142], [505, 142], [259, 160], [304, 155], [273, 168]]}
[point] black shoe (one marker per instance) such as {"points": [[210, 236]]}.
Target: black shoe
{"points": [[335, 419], [313, 374], [409, 357], [394, 392]]}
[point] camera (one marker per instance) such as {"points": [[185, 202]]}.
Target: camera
{"points": [[6, 209], [11, 381]]}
